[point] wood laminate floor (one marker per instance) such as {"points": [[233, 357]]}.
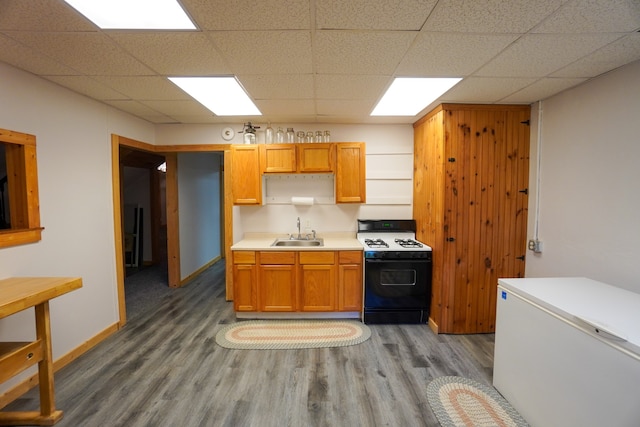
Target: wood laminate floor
{"points": [[165, 369]]}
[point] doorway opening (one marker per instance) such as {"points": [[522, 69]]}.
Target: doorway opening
{"points": [[144, 224]]}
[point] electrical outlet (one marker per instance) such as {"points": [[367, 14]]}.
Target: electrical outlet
{"points": [[307, 224], [535, 246]]}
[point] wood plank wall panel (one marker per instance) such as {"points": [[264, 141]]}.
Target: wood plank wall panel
{"points": [[484, 166], [428, 198]]}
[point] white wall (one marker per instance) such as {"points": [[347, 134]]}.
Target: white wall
{"points": [[73, 135], [199, 207], [389, 175], [589, 204]]}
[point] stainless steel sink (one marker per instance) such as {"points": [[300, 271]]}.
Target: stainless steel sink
{"points": [[298, 242]]}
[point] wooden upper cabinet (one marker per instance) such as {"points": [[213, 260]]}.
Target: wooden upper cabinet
{"points": [[278, 158], [345, 159], [350, 173], [295, 158], [246, 179], [316, 157]]}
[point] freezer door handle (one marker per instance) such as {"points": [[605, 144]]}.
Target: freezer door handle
{"points": [[605, 331]]}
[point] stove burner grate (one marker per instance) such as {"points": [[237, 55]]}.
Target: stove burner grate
{"points": [[376, 243], [408, 243]]}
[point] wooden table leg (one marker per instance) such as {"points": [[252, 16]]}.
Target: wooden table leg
{"points": [[45, 366], [48, 415]]}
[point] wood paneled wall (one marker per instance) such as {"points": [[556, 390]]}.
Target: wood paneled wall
{"points": [[471, 168]]}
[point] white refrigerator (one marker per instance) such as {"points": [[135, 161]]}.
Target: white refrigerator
{"points": [[567, 352]]}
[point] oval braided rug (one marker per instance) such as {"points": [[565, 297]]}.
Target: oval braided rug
{"points": [[462, 402], [292, 334]]}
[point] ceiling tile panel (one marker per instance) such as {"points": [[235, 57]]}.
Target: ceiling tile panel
{"points": [[87, 86], [339, 107], [370, 15], [42, 15], [541, 89], [485, 89], [29, 59], [266, 52], [249, 14], [489, 16], [174, 53], [279, 86], [614, 55], [356, 52], [451, 54], [144, 88], [541, 54], [134, 107], [87, 53], [199, 119], [173, 108], [334, 86], [593, 16], [275, 107]]}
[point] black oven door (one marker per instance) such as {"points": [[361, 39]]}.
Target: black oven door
{"points": [[397, 284]]}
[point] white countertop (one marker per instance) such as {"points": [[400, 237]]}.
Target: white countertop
{"points": [[336, 241]]}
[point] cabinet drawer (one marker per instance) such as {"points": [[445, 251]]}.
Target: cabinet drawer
{"points": [[350, 257], [244, 257], [279, 258], [317, 258]]}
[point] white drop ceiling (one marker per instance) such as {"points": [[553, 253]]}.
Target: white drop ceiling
{"points": [[326, 61]]}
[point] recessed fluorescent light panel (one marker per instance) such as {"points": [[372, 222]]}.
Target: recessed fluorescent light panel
{"points": [[222, 95], [134, 14], [407, 96]]}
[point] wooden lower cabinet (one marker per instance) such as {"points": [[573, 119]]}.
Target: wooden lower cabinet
{"points": [[317, 281], [245, 285], [277, 281], [302, 281], [350, 281]]}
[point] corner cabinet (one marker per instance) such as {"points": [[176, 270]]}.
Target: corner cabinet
{"points": [[250, 163], [246, 179], [471, 170], [297, 281]]}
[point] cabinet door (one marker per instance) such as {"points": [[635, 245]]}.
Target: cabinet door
{"points": [[317, 281], [244, 281], [278, 281], [278, 158], [246, 182], [244, 287], [350, 285], [277, 288], [316, 157], [350, 173], [317, 287]]}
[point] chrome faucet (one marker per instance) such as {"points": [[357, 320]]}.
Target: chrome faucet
{"points": [[299, 235]]}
